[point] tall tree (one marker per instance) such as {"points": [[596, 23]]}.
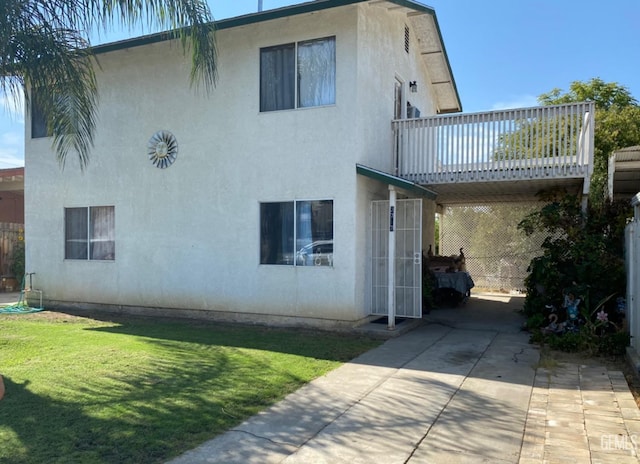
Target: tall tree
{"points": [[46, 55], [584, 250], [617, 123]]}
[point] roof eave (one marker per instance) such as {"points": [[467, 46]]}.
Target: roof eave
{"points": [[229, 23], [445, 89]]}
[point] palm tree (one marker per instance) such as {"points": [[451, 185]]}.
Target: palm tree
{"points": [[46, 55]]}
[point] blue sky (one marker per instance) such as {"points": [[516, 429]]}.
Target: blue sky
{"points": [[503, 53]]}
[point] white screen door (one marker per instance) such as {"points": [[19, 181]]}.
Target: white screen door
{"points": [[408, 262]]}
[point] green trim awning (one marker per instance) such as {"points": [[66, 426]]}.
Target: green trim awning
{"points": [[396, 181]]}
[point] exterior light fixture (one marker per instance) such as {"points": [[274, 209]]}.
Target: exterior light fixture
{"points": [[413, 86]]}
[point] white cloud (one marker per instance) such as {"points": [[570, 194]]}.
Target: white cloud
{"points": [[11, 147], [522, 101], [13, 108], [10, 158], [12, 139], [11, 131], [11, 150]]}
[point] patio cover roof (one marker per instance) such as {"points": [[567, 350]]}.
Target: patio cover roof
{"points": [[624, 173]]}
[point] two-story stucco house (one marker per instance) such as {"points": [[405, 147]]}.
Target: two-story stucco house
{"points": [[259, 201]]}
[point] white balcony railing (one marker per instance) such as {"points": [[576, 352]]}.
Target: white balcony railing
{"points": [[531, 143]]}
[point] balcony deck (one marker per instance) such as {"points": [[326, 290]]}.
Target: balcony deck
{"points": [[507, 155]]}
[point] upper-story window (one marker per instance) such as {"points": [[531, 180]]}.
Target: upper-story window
{"points": [[39, 126], [298, 75]]}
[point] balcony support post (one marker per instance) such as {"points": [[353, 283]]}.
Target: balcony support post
{"points": [[391, 301]]}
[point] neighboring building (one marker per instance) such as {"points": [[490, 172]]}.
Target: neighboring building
{"points": [[12, 196], [11, 224], [624, 185], [264, 169], [632, 266]]}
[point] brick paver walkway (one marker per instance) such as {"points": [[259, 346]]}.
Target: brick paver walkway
{"points": [[581, 413]]}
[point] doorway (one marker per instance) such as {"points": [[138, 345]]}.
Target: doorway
{"points": [[407, 223]]}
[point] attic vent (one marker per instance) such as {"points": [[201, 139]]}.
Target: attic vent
{"points": [[406, 39]]}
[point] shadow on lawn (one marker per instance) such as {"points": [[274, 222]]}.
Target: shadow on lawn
{"points": [[198, 382], [329, 346], [46, 430], [159, 411]]}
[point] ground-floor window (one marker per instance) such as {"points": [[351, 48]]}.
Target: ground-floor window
{"points": [[298, 233], [90, 233]]}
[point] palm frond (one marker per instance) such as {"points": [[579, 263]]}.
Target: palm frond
{"points": [[45, 51], [189, 21], [60, 79]]}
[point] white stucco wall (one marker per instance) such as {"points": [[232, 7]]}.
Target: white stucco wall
{"points": [[382, 60], [187, 237]]}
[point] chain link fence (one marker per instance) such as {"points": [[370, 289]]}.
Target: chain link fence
{"points": [[497, 254]]}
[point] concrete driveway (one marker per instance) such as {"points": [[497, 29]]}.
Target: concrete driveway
{"points": [[463, 388]]}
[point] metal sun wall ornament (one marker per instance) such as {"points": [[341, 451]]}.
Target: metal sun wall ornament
{"points": [[162, 149]]}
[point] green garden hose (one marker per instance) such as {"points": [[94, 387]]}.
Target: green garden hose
{"points": [[21, 306]]}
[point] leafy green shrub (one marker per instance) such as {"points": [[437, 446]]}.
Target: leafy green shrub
{"points": [[537, 337], [535, 321], [18, 261], [614, 344], [584, 252], [597, 331], [570, 342], [582, 255], [581, 250]]}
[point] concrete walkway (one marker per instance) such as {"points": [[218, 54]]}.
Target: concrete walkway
{"points": [[462, 388], [9, 297]]}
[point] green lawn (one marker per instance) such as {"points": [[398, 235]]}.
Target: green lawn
{"points": [[134, 390]]}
